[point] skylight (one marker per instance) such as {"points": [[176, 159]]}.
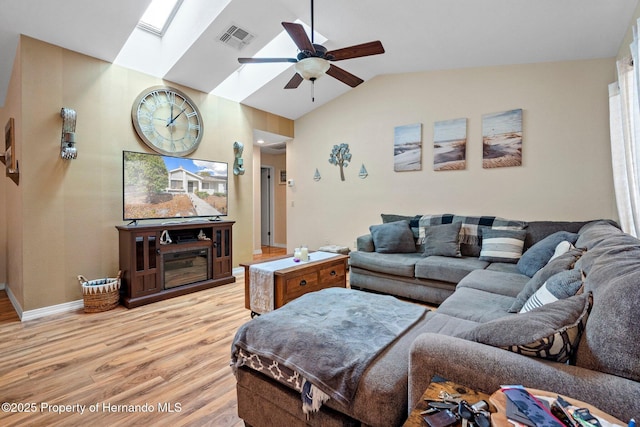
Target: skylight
{"points": [[158, 16]]}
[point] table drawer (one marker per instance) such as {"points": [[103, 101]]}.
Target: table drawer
{"points": [[332, 274], [298, 285]]}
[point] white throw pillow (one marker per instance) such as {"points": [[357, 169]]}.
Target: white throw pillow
{"points": [[562, 248]]}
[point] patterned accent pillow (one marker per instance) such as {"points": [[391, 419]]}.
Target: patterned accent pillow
{"points": [[502, 245], [559, 286], [549, 332]]}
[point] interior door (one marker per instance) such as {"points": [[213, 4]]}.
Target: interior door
{"points": [[266, 206]]}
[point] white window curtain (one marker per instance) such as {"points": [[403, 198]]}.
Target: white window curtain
{"points": [[624, 111]]}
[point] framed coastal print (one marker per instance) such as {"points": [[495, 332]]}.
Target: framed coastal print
{"points": [[282, 177], [450, 145], [502, 139], [407, 148]]}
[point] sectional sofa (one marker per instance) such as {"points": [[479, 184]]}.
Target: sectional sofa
{"points": [[402, 269], [565, 320]]}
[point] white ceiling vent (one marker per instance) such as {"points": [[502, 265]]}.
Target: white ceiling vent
{"points": [[236, 37]]}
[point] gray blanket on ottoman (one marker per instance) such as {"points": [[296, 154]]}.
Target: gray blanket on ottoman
{"points": [[329, 337]]}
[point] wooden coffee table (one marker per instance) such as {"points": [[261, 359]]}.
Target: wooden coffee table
{"points": [[433, 393], [304, 277]]}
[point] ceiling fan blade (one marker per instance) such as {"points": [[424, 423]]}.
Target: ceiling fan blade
{"points": [[265, 60], [344, 76], [356, 51], [294, 82], [299, 36]]}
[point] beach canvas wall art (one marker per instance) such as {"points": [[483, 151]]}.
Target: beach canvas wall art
{"points": [[407, 148], [502, 139], [450, 145]]}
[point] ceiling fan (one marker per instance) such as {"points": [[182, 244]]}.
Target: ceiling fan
{"points": [[312, 62]]}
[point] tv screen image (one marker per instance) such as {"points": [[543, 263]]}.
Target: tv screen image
{"points": [[161, 187]]}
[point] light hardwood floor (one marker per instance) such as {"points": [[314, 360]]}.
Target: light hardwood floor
{"points": [[171, 354]]}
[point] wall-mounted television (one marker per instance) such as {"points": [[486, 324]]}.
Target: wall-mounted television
{"points": [[162, 187]]}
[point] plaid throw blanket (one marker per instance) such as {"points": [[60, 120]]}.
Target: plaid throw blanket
{"points": [[470, 232]]}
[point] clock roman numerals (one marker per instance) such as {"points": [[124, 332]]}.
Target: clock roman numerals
{"points": [[167, 121]]}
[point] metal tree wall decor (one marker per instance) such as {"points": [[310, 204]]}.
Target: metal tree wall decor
{"points": [[340, 156]]}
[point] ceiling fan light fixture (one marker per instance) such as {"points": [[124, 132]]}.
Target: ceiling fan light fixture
{"points": [[312, 68]]}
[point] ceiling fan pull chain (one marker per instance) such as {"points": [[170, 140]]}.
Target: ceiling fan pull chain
{"points": [[313, 85]]}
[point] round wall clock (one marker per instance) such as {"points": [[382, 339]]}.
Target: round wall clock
{"points": [[167, 120]]}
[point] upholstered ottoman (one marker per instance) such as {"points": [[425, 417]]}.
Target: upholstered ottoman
{"points": [[332, 357]]}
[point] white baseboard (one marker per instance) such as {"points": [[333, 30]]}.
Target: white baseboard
{"points": [[66, 307], [257, 251], [237, 271], [2, 286], [24, 316]]}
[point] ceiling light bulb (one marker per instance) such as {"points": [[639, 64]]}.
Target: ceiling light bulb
{"points": [[260, 141], [312, 68]]}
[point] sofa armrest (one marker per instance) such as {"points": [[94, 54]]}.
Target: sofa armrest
{"points": [[365, 243], [485, 368]]}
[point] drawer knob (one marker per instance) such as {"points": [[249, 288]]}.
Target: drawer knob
{"points": [[333, 272], [303, 282]]}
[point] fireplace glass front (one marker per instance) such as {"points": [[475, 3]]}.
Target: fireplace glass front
{"points": [[185, 267]]}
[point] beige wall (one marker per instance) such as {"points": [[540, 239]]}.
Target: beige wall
{"points": [[67, 211], [10, 230], [566, 171]]}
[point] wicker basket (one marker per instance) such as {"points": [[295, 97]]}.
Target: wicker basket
{"points": [[100, 294]]}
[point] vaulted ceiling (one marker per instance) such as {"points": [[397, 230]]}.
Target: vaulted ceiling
{"points": [[417, 35]]}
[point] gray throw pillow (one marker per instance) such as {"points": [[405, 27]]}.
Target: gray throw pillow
{"points": [[442, 240], [502, 245], [563, 262], [538, 255], [393, 237], [559, 286], [550, 332]]}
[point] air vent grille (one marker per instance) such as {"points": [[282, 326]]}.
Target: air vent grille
{"points": [[236, 37]]}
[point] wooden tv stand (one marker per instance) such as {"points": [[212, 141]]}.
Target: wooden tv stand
{"points": [[153, 271]]}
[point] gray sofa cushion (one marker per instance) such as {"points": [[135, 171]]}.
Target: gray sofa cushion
{"points": [[393, 237], [396, 264], [505, 267], [561, 263], [442, 240], [447, 269], [497, 282], [476, 305], [551, 332], [538, 255], [441, 323]]}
